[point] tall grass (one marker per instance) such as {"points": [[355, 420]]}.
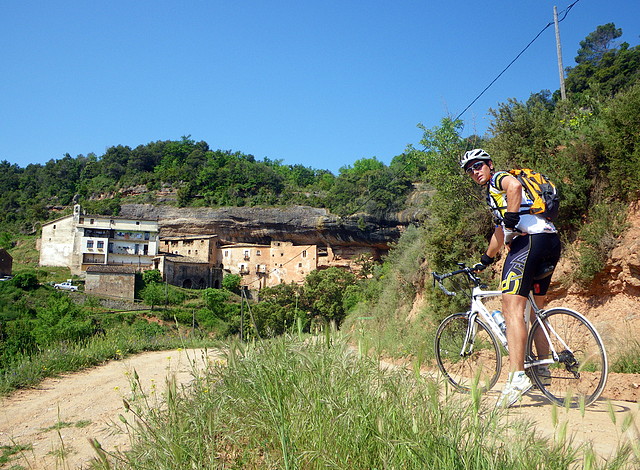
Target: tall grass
{"points": [[628, 359], [287, 404]]}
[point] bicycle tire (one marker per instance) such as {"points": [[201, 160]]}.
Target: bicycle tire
{"points": [[580, 376], [483, 361]]}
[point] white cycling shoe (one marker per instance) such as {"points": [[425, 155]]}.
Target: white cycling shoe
{"points": [[514, 389]]}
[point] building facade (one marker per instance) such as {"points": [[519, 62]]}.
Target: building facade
{"points": [[190, 261], [6, 263], [111, 281], [269, 265], [78, 241]]}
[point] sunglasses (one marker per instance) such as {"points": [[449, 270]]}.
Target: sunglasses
{"points": [[475, 166]]}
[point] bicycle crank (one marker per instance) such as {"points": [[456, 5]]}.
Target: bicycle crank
{"points": [[568, 359]]}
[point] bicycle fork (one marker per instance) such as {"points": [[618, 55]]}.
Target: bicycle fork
{"points": [[470, 335]]}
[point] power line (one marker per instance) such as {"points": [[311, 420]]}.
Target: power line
{"points": [[404, 168], [565, 11]]}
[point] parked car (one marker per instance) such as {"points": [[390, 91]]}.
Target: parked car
{"points": [[66, 285]]}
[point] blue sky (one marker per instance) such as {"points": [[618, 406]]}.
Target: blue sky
{"points": [[315, 83]]}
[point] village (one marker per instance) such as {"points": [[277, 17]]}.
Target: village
{"points": [[108, 251]]}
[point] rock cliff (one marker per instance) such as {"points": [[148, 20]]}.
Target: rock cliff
{"points": [[299, 224]]}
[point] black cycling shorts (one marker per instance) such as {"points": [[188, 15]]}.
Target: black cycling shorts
{"points": [[530, 264]]}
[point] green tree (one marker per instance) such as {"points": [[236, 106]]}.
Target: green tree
{"points": [[154, 294], [324, 291], [598, 43], [151, 276], [231, 282], [215, 300], [604, 68]]}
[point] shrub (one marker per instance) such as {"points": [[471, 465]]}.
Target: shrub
{"points": [[25, 281]]}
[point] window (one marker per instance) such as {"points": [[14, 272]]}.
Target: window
{"points": [[299, 265], [258, 252], [91, 221], [226, 253], [81, 221], [89, 243], [137, 222], [100, 245], [54, 227], [304, 254]]}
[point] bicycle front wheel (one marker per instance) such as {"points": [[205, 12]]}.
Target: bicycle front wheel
{"points": [[579, 374], [467, 357]]}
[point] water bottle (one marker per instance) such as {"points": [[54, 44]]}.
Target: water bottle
{"points": [[499, 319]]}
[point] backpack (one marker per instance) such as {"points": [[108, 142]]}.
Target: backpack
{"points": [[543, 193]]}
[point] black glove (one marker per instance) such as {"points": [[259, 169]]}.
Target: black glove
{"points": [[485, 260], [511, 219]]}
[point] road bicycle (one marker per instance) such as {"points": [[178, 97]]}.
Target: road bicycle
{"points": [[565, 356]]}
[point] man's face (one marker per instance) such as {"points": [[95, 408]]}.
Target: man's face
{"points": [[480, 171]]}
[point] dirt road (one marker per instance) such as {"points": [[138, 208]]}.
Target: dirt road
{"points": [[88, 402]]}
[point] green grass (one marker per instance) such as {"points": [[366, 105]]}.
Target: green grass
{"points": [[628, 360], [8, 453], [117, 343], [288, 404]]}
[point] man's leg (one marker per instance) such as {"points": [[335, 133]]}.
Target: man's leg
{"points": [[518, 383], [513, 309], [540, 340]]}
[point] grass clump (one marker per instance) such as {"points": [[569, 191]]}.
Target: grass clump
{"points": [[628, 359], [288, 404]]}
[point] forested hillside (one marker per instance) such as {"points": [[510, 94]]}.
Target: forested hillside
{"points": [[201, 177]]}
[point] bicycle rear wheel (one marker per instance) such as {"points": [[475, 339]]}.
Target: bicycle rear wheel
{"points": [[465, 363], [580, 374]]}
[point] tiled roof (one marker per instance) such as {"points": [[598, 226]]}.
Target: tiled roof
{"points": [[111, 269]]}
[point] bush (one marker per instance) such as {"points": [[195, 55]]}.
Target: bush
{"points": [[151, 276], [25, 281], [231, 282]]}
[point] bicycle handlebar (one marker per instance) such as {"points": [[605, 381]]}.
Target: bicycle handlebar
{"points": [[470, 272]]}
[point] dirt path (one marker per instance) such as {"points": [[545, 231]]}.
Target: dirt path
{"points": [[92, 399], [597, 426], [87, 402]]}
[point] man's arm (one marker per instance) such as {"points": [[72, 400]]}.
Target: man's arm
{"points": [[513, 188]]}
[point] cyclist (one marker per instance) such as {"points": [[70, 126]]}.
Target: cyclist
{"points": [[533, 248]]}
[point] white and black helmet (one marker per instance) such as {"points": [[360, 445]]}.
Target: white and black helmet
{"points": [[475, 154]]}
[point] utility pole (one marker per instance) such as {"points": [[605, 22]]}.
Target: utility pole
{"points": [[563, 92]]}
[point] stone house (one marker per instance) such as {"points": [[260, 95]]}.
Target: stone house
{"points": [[111, 281], [269, 265], [79, 240], [6, 263], [190, 261]]}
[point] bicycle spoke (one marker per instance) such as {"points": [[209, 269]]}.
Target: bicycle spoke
{"points": [[477, 361], [580, 373]]}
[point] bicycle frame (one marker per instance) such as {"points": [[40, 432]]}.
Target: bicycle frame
{"points": [[478, 294]]}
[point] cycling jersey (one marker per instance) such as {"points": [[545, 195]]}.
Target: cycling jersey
{"points": [[497, 200]]}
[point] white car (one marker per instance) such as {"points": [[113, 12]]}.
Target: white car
{"points": [[66, 285]]}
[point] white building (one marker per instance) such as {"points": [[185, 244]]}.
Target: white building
{"points": [[79, 240]]}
